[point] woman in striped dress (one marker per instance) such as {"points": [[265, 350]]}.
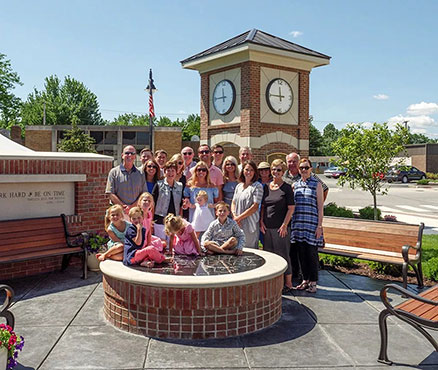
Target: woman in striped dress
{"points": [[307, 224]]}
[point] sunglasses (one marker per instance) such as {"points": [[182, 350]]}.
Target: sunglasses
{"points": [[230, 164], [277, 170], [218, 152], [188, 153], [201, 170], [129, 153], [204, 152], [151, 166], [304, 168], [180, 163]]}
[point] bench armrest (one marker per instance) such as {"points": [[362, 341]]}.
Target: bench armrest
{"points": [[404, 292], [4, 312], [405, 251]]}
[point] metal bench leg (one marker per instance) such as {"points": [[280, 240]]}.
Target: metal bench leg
{"points": [[4, 312], [405, 275], [419, 273], [383, 326], [85, 268], [65, 261]]}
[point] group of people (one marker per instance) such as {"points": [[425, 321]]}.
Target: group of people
{"points": [[215, 205]]}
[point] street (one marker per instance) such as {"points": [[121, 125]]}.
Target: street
{"points": [[407, 202]]}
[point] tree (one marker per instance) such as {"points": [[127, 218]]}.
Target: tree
{"points": [[315, 139], [76, 140], [190, 126], [420, 139], [367, 155], [329, 136], [9, 103], [131, 119], [62, 102]]}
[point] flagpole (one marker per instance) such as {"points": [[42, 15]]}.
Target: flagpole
{"points": [[151, 89]]}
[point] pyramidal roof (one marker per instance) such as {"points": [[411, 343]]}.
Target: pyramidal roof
{"points": [[257, 37]]}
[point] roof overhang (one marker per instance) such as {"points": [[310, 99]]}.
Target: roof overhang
{"points": [[257, 53]]}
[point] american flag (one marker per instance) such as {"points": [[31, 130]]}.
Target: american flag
{"points": [[151, 99], [151, 106]]}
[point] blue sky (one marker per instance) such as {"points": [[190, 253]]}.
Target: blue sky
{"points": [[383, 67]]}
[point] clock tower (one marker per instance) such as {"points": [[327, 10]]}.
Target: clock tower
{"points": [[255, 92]]}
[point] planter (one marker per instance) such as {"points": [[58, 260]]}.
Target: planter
{"points": [[3, 358], [92, 263]]}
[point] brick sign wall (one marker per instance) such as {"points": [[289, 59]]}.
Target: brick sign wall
{"points": [[90, 199]]}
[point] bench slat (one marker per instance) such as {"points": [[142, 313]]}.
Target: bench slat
{"points": [[26, 249], [379, 241], [40, 236], [34, 222], [39, 254], [420, 309], [26, 227], [371, 226], [46, 244], [363, 256]]}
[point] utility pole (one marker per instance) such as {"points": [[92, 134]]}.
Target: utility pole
{"points": [[44, 113]]}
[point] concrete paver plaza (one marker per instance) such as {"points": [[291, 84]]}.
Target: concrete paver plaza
{"points": [[61, 318]]}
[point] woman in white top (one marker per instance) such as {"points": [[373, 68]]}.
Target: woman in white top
{"points": [[245, 205]]}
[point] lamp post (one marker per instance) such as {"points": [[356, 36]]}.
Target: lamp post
{"points": [[151, 89]]}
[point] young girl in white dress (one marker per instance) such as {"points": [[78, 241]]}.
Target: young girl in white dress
{"points": [[202, 216]]}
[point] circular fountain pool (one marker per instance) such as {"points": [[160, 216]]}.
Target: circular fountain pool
{"points": [[205, 297]]}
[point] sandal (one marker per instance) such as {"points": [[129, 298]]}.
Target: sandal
{"points": [[311, 288], [303, 286], [286, 290]]}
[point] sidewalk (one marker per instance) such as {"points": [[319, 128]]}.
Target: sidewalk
{"points": [[60, 317]]}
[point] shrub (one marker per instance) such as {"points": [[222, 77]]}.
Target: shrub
{"points": [[332, 209], [423, 182], [328, 259], [432, 176], [430, 269], [390, 218], [367, 213], [385, 268]]}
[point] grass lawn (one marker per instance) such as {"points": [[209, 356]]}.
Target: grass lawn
{"points": [[430, 247], [430, 257]]}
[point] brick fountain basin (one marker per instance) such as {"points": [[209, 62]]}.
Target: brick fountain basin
{"points": [[206, 297]]}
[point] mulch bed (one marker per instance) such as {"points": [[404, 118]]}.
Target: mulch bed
{"points": [[365, 270]]}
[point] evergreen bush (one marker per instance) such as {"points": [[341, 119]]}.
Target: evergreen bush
{"points": [[367, 213]]}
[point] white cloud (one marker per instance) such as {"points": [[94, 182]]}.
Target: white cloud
{"points": [[419, 131], [182, 112], [422, 108], [295, 34], [381, 97], [414, 122]]}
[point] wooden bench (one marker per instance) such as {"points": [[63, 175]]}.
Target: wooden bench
{"points": [[420, 311], [22, 240], [379, 241]]}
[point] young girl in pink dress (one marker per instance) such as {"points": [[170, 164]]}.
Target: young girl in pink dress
{"points": [[146, 203], [183, 239]]}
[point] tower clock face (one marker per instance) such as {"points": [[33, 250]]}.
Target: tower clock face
{"points": [[279, 96], [224, 96]]}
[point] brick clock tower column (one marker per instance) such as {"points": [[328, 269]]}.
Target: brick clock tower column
{"points": [[255, 92]]}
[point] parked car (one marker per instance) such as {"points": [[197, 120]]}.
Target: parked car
{"points": [[335, 172], [404, 174]]}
